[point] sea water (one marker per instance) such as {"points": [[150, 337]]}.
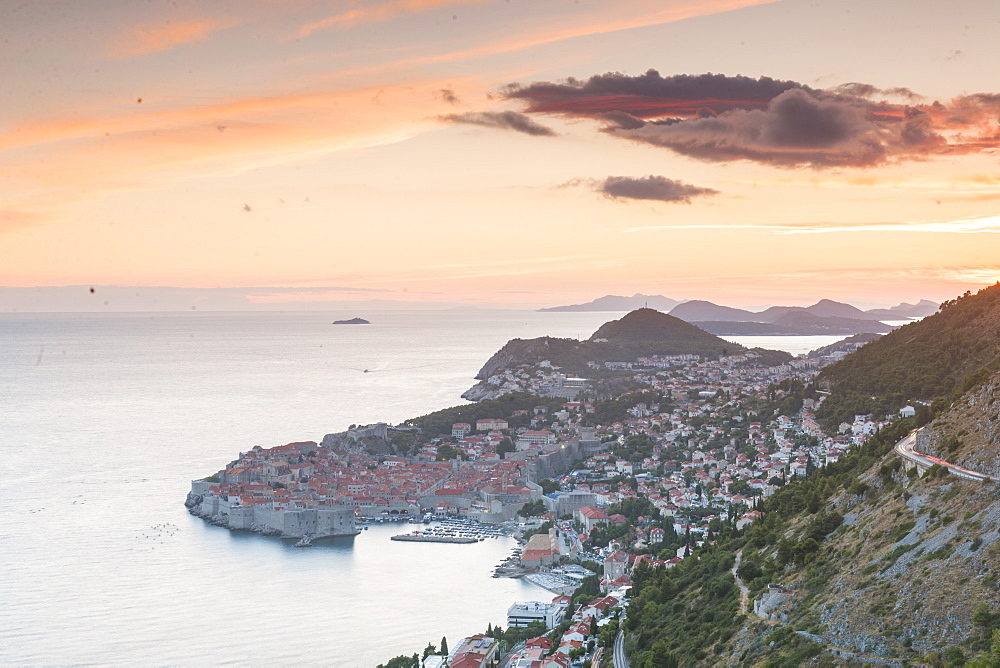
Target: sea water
{"points": [[106, 418]]}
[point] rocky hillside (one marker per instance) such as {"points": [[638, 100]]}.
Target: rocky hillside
{"points": [[968, 434], [872, 564], [902, 577]]}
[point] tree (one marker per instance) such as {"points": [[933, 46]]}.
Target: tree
{"points": [[953, 656], [749, 570], [992, 658], [504, 446], [548, 486], [983, 617], [446, 452], [402, 661], [532, 509], [661, 657], [741, 487], [430, 649], [606, 638], [444, 646]]}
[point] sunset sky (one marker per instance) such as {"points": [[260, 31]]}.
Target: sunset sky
{"points": [[513, 153]]}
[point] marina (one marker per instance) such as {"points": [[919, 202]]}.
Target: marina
{"points": [[430, 538], [451, 530]]}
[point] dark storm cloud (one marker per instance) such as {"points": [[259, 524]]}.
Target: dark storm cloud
{"points": [[651, 187], [505, 120], [796, 128], [648, 95], [715, 117]]}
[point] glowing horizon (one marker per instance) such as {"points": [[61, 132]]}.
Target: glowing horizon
{"points": [[502, 153]]}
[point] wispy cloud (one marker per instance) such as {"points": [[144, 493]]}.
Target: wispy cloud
{"points": [[153, 38], [76, 160], [11, 219], [971, 274], [987, 225], [378, 12], [526, 37], [502, 268], [282, 295], [503, 120]]}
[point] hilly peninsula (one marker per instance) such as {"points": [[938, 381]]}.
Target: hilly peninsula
{"points": [[642, 332]]}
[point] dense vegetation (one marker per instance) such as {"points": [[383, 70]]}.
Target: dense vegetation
{"points": [[684, 615], [648, 332], [639, 333], [942, 355], [440, 422]]}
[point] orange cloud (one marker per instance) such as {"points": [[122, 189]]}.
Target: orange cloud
{"points": [[589, 25], [13, 218], [59, 163], [987, 225], [146, 39], [380, 12]]}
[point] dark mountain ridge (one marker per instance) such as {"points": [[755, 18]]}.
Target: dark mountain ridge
{"points": [[619, 303], [700, 310]]}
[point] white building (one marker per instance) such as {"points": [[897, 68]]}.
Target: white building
{"points": [[522, 614]]}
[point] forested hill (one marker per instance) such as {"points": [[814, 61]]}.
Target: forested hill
{"points": [[659, 333], [641, 332], [942, 355]]}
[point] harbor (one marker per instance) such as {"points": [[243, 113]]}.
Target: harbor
{"points": [[431, 538], [451, 530]]}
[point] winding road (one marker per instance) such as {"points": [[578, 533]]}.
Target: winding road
{"points": [[904, 448], [621, 661], [744, 592]]}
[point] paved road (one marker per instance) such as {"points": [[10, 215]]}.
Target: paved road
{"points": [[505, 660], [621, 661], [905, 449]]}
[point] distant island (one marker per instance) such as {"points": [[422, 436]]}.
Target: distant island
{"points": [[824, 317], [352, 321], [618, 303]]}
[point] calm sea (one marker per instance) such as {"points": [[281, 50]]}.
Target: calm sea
{"points": [[105, 419]]}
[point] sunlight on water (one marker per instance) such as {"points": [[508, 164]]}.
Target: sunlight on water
{"points": [[107, 419]]}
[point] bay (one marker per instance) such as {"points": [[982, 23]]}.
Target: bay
{"points": [[105, 419]]}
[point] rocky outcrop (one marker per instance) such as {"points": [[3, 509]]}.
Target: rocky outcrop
{"points": [[513, 352], [193, 500], [480, 392], [372, 438]]}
